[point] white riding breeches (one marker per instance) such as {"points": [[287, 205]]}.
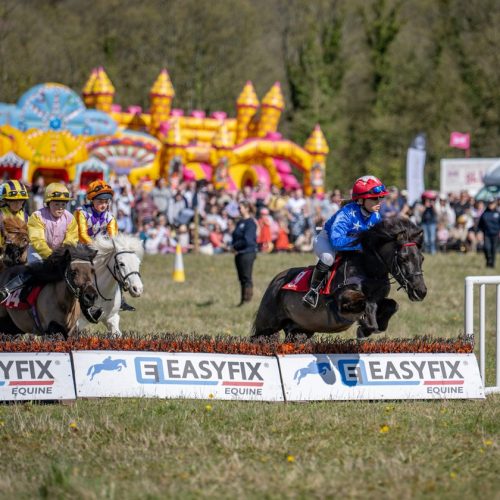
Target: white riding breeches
{"points": [[323, 248]]}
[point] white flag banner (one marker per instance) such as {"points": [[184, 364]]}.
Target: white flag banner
{"points": [[415, 163]]}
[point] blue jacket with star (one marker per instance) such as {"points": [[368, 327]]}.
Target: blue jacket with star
{"points": [[344, 226]]}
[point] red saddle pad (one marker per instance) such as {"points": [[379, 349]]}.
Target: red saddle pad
{"points": [[302, 281], [13, 301]]}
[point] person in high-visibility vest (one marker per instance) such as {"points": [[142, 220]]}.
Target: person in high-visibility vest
{"points": [[96, 218]]}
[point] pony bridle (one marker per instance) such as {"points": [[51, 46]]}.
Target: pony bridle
{"points": [[116, 271], [395, 269], [75, 290]]}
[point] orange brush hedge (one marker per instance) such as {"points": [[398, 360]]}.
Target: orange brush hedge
{"points": [[235, 345]]}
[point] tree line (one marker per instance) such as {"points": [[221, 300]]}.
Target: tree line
{"points": [[372, 73]]}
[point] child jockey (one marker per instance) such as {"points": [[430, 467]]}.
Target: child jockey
{"points": [[340, 231], [96, 218], [13, 196], [48, 229]]}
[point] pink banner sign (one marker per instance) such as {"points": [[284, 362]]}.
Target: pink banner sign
{"points": [[459, 140]]}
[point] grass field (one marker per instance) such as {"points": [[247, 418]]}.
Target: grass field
{"points": [[190, 449]]}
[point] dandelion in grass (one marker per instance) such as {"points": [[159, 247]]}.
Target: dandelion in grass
{"points": [[73, 426], [453, 475], [290, 459], [208, 407], [384, 429], [211, 396], [488, 442]]}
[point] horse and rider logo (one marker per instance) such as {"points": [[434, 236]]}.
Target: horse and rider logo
{"points": [[311, 369], [108, 364]]}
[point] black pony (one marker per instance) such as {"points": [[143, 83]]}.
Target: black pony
{"points": [[358, 291]]}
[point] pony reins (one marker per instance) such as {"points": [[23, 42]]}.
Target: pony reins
{"points": [[116, 273]]}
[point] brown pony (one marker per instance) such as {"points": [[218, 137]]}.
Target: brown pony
{"points": [[16, 242], [68, 278]]}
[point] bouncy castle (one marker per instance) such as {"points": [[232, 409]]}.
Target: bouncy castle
{"points": [[53, 132]]}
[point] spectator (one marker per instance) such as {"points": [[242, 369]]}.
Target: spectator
{"points": [[445, 214], [264, 238], [489, 224], [245, 246], [429, 224], [161, 195], [175, 207], [145, 208]]}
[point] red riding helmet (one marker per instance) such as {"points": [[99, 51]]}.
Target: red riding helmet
{"points": [[368, 186]]}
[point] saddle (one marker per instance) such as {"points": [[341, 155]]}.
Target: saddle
{"points": [[302, 282]]}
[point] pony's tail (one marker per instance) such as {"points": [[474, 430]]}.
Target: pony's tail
{"points": [[266, 322]]}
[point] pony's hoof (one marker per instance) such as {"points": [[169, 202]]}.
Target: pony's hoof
{"points": [[362, 334]]}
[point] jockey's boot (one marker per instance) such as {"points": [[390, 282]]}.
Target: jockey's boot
{"points": [[14, 284], [126, 307], [312, 296]]}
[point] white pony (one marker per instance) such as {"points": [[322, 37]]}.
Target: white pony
{"points": [[116, 264]]}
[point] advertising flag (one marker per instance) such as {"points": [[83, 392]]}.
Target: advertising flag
{"points": [[415, 163], [459, 140]]}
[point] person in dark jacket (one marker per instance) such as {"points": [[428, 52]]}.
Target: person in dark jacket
{"points": [[489, 224], [429, 223], [245, 246]]}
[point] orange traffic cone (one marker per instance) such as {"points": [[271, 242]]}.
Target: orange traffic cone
{"points": [[178, 275]]}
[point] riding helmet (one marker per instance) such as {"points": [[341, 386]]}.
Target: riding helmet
{"points": [[368, 186], [14, 190], [99, 190], [56, 191]]}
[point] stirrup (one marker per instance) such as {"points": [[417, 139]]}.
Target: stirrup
{"points": [[4, 294], [311, 298]]}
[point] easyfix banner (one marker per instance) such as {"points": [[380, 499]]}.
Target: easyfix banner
{"points": [[36, 376], [176, 375], [380, 376]]}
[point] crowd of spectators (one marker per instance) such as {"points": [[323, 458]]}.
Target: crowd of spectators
{"points": [[195, 213]]}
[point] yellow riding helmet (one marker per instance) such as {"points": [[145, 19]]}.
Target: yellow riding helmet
{"points": [[14, 190], [56, 191], [99, 190]]}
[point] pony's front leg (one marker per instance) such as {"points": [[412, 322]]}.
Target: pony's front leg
{"points": [[385, 310], [368, 322], [113, 325]]}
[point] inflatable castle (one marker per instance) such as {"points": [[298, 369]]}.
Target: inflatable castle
{"points": [[52, 132]]}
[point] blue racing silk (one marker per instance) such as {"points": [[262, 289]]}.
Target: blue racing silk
{"points": [[345, 225]]}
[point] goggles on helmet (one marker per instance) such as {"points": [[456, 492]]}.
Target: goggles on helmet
{"points": [[374, 190], [59, 194], [15, 193]]}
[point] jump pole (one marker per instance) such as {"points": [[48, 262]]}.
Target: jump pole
{"points": [[482, 281]]}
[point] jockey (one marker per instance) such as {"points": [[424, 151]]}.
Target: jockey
{"points": [[48, 229], [96, 218], [13, 195], [340, 231]]}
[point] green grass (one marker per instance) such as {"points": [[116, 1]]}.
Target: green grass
{"points": [[190, 449]]}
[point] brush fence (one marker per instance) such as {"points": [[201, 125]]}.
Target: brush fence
{"points": [[301, 377]]}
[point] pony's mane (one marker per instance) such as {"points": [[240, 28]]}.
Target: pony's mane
{"points": [[14, 225], [81, 252], [105, 247], [389, 229], [52, 269]]}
